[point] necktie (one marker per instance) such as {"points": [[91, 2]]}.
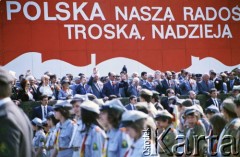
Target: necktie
{"points": [[216, 103], [45, 111]]}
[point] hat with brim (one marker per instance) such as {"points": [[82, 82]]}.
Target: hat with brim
{"points": [[211, 109], [236, 88], [50, 115], [5, 77], [162, 115], [62, 104], [229, 105], [130, 117], [90, 106], [115, 105], [37, 122]]}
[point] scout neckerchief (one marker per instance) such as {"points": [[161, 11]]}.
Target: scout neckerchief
{"points": [[57, 139], [82, 151], [128, 151], [105, 148]]}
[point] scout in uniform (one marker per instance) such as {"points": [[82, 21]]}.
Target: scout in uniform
{"points": [[64, 129], [167, 138], [146, 96], [39, 138], [194, 128], [76, 140], [52, 122], [118, 140], [94, 141], [210, 111], [231, 129], [135, 124]]}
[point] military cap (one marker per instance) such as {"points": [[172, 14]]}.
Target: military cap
{"points": [[37, 121], [114, 104], [50, 115], [223, 74], [90, 106], [187, 103], [236, 88], [65, 81], [213, 72], [62, 104], [5, 77], [198, 75], [229, 105], [212, 109], [163, 113], [146, 92], [130, 117]]}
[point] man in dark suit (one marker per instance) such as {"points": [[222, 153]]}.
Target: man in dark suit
{"points": [[169, 83], [205, 85], [111, 87], [16, 130], [213, 100], [132, 102], [233, 81], [96, 84], [143, 78], [149, 84], [42, 110], [218, 83]]}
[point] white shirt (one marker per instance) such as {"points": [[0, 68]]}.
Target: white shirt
{"points": [[43, 116], [4, 101], [46, 90]]}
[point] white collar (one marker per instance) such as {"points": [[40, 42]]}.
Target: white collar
{"points": [[5, 100]]}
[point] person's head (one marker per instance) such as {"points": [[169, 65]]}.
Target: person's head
{"points": [[155, 97], [25, 84], [65, 84], [45, 80], [168, 74], [146, 96], [237, 102], [150, 77], [144, 75], [163, 119], [44, 100], [170, 92], [232, 75], [77, 80], [83, 79], [76, 106], [157, 75], [235, 90], [224, 77], [192, 94], [211, 110], [51, 120], [134, 122], [213, 74], [111, 114], [133, 99], [191, 116], [213, 93], [53, 78], [36, 124], [205, 77], [174, 76], [5, 83], [228, 109], [183, 72], [135, 81], [218, 123], [135, 74], [111, 76], [62, 110], [31, 80]]}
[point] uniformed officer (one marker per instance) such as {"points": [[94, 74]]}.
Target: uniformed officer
{"points": [[64, 128], [167, 138], [118, 140], [76, 140], [231, 130], [39, 138], [194, 130], [94, 139], [52, 122], [135, 124], [146, 96]]}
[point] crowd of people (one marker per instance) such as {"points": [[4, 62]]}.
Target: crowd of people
{"points": [[89, 119]]}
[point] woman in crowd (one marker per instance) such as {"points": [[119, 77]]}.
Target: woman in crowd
{"points": [[39, 138], [24, 93], [65, 93], [94, 141], [52, 122], [135, 124], [118, 140], [64, 130], [44, 88]]}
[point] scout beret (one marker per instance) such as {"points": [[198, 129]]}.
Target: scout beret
{"points": [[236, 88], [50, 115], [5, 77], [62, 104], [90, 106], [212, 109], [229, 105], [187, 103], [113, 104], [163, 113], [37, 121], [132, 116], [146, 92]]}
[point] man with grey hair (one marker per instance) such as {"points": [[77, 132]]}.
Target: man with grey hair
{"points": [[33, 86], [134, 88], [15, 132], [205, 85], [95, 84]]}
